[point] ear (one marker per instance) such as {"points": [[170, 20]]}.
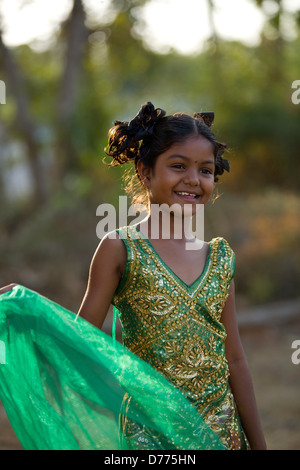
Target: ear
{"points": [[144, 173]]}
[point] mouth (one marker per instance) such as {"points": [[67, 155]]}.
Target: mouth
{"points": [[187, 195]]}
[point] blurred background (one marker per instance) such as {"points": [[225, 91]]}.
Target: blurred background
{"points": [[69, 68]]}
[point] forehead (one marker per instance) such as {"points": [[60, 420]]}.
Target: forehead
{"points": [[192, 147]]}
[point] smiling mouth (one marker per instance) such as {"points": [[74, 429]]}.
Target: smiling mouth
{"points": [[187, 195]]}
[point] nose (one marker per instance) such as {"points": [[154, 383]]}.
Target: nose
{"points": [[192, 177]]}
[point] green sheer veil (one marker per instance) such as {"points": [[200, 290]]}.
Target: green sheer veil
{"points": [[62, 383]]}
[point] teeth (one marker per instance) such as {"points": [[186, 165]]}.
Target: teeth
{"points": [[185, 194]]}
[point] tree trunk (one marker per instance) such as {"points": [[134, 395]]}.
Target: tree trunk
{"points": [[214, 34], [23, 120], [77, 35]]}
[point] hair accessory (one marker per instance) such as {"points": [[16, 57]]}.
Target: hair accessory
{"points": [[143, 123], [221, 163], [207, 118]]}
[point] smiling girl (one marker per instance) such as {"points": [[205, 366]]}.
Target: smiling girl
{"points": [[176, 306]]}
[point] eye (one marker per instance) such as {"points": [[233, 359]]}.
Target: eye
{"points": [[178, 166], [207, 171]]}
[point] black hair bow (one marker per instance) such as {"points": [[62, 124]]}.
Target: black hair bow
{"points": [[142, 125], [207, 118]]}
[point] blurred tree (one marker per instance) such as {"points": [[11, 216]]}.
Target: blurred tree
{"points": [[214, 33], [282, 23], [97, 72], [68, 67], [75, 35], [24, 122]]}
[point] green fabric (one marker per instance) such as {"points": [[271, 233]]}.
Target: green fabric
{"points": [[63, 383]]}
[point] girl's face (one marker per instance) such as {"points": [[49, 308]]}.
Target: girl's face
{"points": [[184, 174]]}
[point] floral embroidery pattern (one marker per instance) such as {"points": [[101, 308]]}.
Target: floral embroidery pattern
{"points": [[177, 329]]}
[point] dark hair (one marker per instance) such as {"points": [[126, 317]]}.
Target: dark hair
{"points": [[152, 133]]}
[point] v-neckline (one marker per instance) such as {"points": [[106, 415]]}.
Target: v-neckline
{"points": [[171, 272]]}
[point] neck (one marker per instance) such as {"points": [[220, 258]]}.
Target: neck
{"points": [[163, 223]]}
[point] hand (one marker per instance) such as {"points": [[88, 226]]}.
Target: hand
{"points": [[7, 288]]}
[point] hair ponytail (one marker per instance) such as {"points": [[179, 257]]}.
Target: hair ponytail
{"points": [[126, 138], [121, 147]]}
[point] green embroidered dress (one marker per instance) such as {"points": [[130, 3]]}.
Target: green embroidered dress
{"points": [[177, 329]]}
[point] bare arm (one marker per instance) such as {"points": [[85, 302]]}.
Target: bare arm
{"points": [[105, 273], [240, 379]]}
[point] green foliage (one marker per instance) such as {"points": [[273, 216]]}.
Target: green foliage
{"points": [[248, 88]]}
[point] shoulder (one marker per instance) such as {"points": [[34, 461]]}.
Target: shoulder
{"points": [[112, 239], [224, 255], [222, 245], [111, 249]]}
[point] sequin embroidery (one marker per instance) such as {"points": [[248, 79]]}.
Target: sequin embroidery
{"points": [[177, 329]]}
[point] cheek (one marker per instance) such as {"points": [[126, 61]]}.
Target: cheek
{"points": [[208, 182], [208, 186]]}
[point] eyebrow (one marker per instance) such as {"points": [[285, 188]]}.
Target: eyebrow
{"points": [[177, 155]]}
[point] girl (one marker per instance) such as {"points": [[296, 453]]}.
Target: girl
{"points": [[176, 305]]}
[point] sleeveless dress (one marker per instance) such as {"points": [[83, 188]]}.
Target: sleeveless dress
{"points": [[176, 328]]}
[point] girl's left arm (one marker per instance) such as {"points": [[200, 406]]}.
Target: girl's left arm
{"points": [[240, 379]]}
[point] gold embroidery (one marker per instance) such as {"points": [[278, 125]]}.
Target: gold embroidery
{"points": [[177, 328]]}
